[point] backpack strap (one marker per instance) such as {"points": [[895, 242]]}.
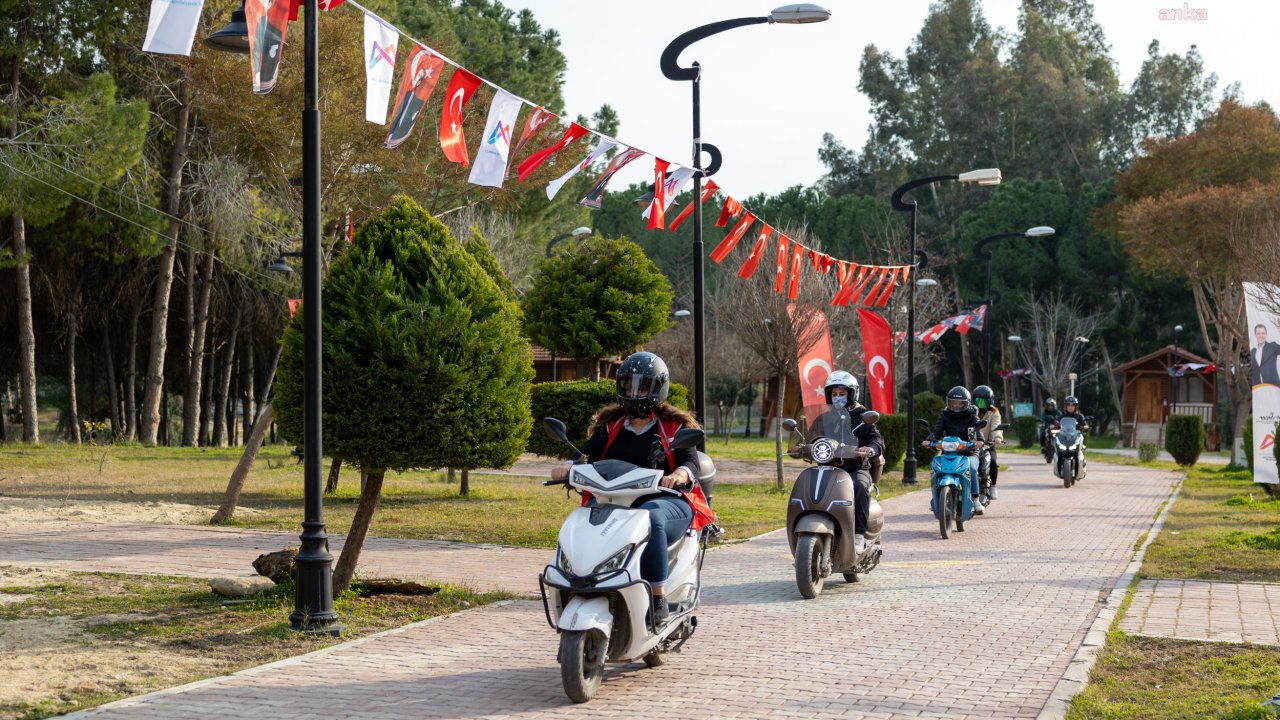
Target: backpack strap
{"points": [[666, 431], [614, 427]]}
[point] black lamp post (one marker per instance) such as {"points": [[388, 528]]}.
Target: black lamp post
{"points": [[989, 176], [981, 253], [1173, 377], [313, 600], [791, 14]]}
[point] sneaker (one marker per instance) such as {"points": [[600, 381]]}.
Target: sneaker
{"points": [[991, 492], [977, 506], [859, 544], [661, 612]]}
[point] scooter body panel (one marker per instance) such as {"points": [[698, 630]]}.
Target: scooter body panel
{"points": [[822, 503]]}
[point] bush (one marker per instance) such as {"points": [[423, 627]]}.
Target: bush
{"points": [[1184, 438], [928, 408], [1025, 427], [576, 402], [1148, 451], [894, 429]]}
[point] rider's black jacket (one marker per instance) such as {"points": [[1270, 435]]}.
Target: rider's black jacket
{"points": [[868, 436], [962, 425], [1080, 421]]}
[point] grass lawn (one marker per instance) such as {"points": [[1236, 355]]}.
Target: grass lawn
{"points": [[502, 509], [1222, 527], [151, 632]]}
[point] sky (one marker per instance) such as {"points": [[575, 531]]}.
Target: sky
{"points": [[769, 92]]}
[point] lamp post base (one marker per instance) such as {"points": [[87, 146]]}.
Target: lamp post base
{"points": [[909, 470], [313, 611]]}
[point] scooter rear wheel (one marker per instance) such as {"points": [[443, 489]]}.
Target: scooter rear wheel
{"points": [[808, 561], [581, 663], [945, 510]]}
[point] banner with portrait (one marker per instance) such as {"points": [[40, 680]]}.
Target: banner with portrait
{"points": [[1264, 376]]}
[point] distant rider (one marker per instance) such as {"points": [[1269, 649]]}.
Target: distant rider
{"points": [[1048, 419], [984, 398]]}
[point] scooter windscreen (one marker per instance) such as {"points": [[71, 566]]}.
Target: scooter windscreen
{"points": [[831, 437]]}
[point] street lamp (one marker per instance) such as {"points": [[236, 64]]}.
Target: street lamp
{"points": [[676, 315], [1173, 378], [801, 13], [313, 598], [981, 253], [1014, 395], [987, 176], [577, 232]]}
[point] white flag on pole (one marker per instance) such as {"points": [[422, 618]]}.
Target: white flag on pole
{"points": [[172, 26], [604, 146], [379, 67], [674, 183], [490, 165]]}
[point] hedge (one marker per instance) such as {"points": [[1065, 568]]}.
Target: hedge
{"points": [[894, 430], [1025, 426], [1184, 438], [576, 402], [928, 408]]}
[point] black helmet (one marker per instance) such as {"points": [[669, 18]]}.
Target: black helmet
{"points": [[642, 384], [958, 400], [1050, 404], [1070, 400], [984, 397]]}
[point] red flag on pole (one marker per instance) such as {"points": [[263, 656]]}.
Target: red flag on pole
{"points": [[532, 162], [781, 276], [707, 191], [294, 304], [731, 240], [537, 118], [757, 251], [797, 256], [452, 142], [732, 208], [877, 349], [814, 361], [883, 298], [658, 206]]}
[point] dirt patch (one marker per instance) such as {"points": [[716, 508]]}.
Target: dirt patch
{"points": [[20, 511]]}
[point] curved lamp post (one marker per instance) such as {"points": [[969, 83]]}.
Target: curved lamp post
{"points": [[1173, 379], [988, 176], [313, 599], [801, 13], [981, 253], [577, 232]]}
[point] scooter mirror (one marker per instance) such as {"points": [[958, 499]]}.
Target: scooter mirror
{"points": [[789, 425], [924, 423], [1003, 426], [687, 437], [981, 424], [870, 417], [555, 429]]}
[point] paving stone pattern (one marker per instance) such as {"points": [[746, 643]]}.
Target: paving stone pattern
{"points": [[979, 626], [1202, 610]]}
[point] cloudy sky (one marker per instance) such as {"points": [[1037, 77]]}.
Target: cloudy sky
{"points": [[771, 91]]}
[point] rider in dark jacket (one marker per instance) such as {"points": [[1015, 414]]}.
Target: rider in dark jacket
{"points": [[960, 419], [842, 390], [1071, 409]]}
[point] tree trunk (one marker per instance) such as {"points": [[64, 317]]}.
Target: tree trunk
{"points": [[195, 369], [189, 271], [113, 395], [966, 362], [4, 414], [223, 396], [246, 384], [233, 426], [206, 401], [164, 416], [26, 331], [331, 484], [1111, 383], [131, 380], [346, 567], [164, 283], [465, 488], [232, 496], [73, 411], [777, 426]]}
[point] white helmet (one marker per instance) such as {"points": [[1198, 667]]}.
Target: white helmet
{"points": [[840, 378]]}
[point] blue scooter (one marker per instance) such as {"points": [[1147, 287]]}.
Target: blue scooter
{"points": [[950, 484]]}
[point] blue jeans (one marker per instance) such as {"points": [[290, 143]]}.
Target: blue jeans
{"points": [[669, 517], [975, 487]]}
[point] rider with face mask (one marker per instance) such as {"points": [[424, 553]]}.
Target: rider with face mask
{"points": [[841, 390]]}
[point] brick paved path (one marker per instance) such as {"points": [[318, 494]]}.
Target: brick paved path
{"points": [[1201, 610], [196, 551], [982, 625]]}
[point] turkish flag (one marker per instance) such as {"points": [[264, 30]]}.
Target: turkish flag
{"points": [[732, 208], [781, 277], [877, 348], [658, 207], [532, 162], [757, 251], [814, 361], [732, 238], [797, 255], [707, 191], [536, 119], [452, 141]]}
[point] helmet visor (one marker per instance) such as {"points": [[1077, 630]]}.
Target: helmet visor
{"points": [[981, 403], [956, 404], [637, 386]]}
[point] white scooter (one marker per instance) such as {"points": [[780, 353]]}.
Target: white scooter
{"points": [[592, 591]]}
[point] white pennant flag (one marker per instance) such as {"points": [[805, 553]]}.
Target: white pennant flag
{"points": [[604, 146], [674, 183], [490, 165], [172, 26], [379, 67]]}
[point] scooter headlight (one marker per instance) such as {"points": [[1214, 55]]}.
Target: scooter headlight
{"points": [[615, 561], [1062, 447], [951, 446], [562, 562], [822, 450]]}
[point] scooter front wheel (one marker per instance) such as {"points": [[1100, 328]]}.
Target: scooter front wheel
{"points": [[808, 562], [945, 510], [581, 663]]}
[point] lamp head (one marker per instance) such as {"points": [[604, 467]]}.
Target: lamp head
{"points": [[1177, 328], [986, 176], [280, 266], [680, 314], [1015, 338], [581, 231], [234, 37], [799, 14], [926, 282], [1040, 231]]}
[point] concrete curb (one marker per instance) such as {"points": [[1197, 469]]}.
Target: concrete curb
{"points": [[1076, 675], [257, 669]]}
